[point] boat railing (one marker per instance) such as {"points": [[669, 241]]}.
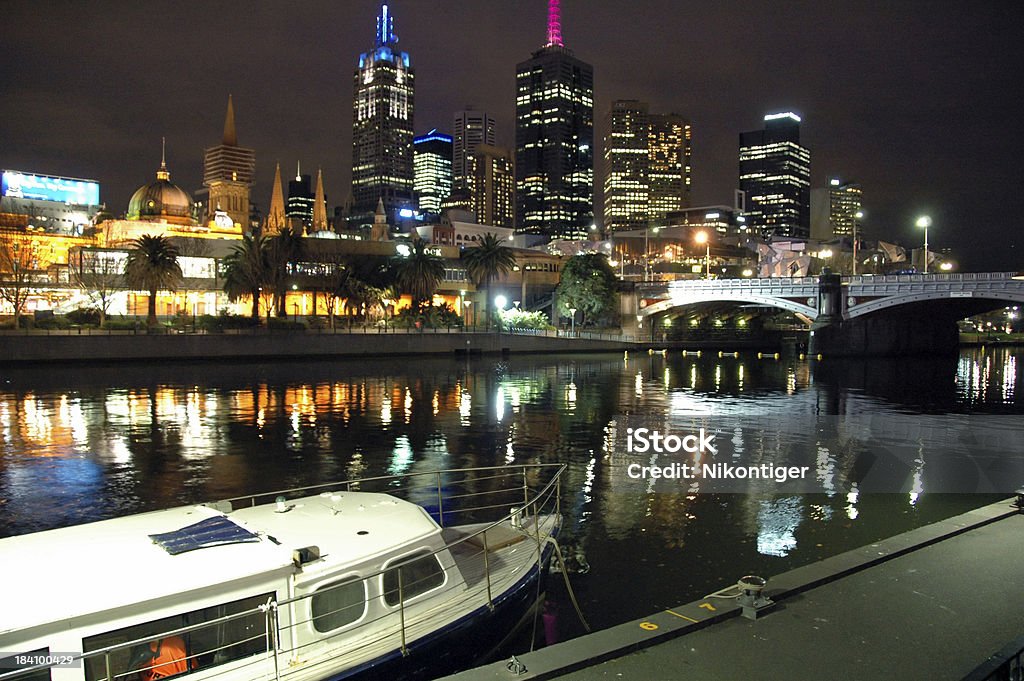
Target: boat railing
{"points": [[262, 637]]}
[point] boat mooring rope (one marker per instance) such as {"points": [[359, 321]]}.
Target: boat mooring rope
{"points": [[568, 585]]}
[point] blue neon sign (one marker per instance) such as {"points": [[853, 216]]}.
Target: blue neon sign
{"points": [[18, 185]]}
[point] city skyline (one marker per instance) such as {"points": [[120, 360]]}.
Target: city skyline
{"points": [[903, 103]]}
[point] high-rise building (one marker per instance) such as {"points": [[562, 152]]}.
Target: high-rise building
{"points": [[299, 206], [228, 173], [647, 166], [626, 166], [554, 139], [670, 171], [432, 169], [382, 128], [835, 209], [493, 186], [470, 129], [775, 177]]}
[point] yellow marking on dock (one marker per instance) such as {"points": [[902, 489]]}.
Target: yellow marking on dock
{"points": [[688, 619], [707, 606], [648, 626]]}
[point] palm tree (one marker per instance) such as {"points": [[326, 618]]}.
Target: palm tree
{"points": [[245, 271], [284, 247], [419, 273], [486, 262], [152, 265]]}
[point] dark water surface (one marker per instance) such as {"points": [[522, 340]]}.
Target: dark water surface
{"points": [[79, 444]]}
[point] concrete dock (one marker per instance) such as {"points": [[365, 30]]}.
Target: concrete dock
{"points": [[933, 603]]}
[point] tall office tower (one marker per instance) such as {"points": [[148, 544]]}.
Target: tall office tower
{"points": [[300, 199], [835, 209], [626, 166], [775, 177], [554, 139], [670, 172], [228, 173], [432, 170], [382, 128], [470, 129], [493, 186]]}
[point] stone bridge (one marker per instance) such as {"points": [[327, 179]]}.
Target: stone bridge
{"points": [[892, 314]]}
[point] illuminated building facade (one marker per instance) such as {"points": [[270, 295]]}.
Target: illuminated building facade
{"points": [[382, 128], [299, 207], [432, 167], [626, 164], [228, 173], [470, 129], [844, 206], [554, 140], [59, 205], [775, 177], [670, 168], [493, 186]]}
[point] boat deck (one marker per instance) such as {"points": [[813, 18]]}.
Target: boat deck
{"points": [[933, 603]]}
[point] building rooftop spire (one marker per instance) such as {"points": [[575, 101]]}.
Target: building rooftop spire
{"points": [[385, 27], [319, 204], [554, 24], [276, 220], [163, 173], [230, 136]]}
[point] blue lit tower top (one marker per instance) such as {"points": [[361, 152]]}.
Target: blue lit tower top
{"points": [[385, 41], [385, 27]]}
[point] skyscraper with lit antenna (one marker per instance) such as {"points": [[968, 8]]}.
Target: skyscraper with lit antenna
{"points": [[554, 154]]}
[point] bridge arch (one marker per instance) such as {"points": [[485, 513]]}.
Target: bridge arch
{"points": [[976, 300]]}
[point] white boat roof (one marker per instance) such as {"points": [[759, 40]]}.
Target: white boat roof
{"points": [[60, 574]]}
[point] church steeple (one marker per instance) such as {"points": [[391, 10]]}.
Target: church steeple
{"points": [[230, 136], [319, 204], [276, 219]]}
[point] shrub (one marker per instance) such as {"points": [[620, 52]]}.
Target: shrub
{"points": [[84, 316]]}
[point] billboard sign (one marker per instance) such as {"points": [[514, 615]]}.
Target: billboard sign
{"points": [[18, 185]]}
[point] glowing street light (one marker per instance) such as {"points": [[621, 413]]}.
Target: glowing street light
{"points": [[702, 238], [925, 222], [857, 217], [572, 316]]}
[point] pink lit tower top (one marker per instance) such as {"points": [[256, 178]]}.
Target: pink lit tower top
{"points": [[554, 24]]}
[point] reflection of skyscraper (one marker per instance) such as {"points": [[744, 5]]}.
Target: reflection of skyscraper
{"points": [[470, 129], [300, 199], [554, 139], [382, 129], [775, 176], [228, 172], [432, 166]]}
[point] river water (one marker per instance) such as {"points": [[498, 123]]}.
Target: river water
{"points": [[890, 445]]}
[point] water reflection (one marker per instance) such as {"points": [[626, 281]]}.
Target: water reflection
{"points": [[91, 443]]}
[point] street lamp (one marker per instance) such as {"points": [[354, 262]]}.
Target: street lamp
{"points": [[857, 217], [702, 238], [647, 252], [572, 312], [925, 222]]}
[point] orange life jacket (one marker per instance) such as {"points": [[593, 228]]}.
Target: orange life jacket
{"points": [[169, 659]]}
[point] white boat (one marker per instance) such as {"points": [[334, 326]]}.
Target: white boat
{"points": [[321, 583]]}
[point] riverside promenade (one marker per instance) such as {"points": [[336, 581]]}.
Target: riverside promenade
{"points": [[63, 346], [938, 602]]}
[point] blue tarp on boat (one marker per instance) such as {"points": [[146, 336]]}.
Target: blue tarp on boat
{"points": [[204, 534]]}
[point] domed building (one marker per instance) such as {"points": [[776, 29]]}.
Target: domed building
{"points": [[161, 201]]}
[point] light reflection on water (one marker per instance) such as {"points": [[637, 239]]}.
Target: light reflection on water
{"points": [[88, 443]]}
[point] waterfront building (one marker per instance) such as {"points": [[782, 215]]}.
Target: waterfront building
{"points": [[299, 206], [554, 158], [493, 186], [383, 108], [670, 168], [229, 171], [835, 209], [470, 129], [775, 178], [432, 168], [626, 166]]}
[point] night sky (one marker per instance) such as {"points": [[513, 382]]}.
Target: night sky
{"points": [[920, 102]]}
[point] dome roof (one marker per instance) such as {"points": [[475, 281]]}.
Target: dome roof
{"points": [[160, 201]]}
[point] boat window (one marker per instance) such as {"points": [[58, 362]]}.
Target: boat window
{"points": [[338, 604], [9, 664], [214, 644], [419, 575]]}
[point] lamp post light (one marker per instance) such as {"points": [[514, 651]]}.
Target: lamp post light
{"points": [[572, 317], [925, 222], [639, 325], [857, 217], [702, 238], [500, 302], [647, 252]]}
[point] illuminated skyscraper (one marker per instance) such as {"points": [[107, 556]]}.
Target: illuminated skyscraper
{"points": [[844, 200], [775, 177], [493, 186], [432, 165], [647, 166], [382, 128], [228, 173], [470, 129], [554, 139], [300, 199]]}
